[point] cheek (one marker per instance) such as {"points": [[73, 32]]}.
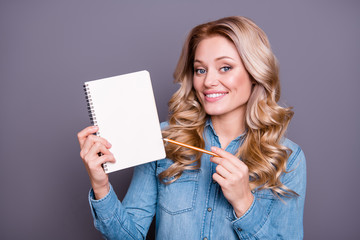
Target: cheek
{"points": [[243, 86], [247, 87], [243, 81], [246, 90], [196, 88], [197, 84]]}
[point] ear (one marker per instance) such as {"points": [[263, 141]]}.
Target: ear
{"points": [[253, 81], [253, 84]]}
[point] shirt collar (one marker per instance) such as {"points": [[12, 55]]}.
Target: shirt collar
{"points": [[208, 124]]}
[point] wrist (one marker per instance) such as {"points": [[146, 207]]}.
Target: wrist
{"points": [[243, 206], [101, 191]]}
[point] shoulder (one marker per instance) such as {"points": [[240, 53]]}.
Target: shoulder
{"points": [[295, 176], [297, 155]]}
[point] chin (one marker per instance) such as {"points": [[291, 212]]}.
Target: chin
{"points": [[213, 112]]}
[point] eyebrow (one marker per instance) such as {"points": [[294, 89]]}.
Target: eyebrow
{"points": [[216, 59]]}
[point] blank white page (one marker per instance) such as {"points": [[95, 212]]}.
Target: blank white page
{"points": [[127, 117]]}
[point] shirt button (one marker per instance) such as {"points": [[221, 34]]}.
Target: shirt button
{"points": [[209, 209], [205, 238], [239, 229], [214, 181]]}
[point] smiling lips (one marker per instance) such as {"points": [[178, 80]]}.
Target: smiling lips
{"points": [[214, 96]]}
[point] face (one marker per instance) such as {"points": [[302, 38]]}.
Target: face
{"points": [[220, 79]]}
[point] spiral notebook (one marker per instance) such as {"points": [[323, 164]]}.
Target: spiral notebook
{"points": [[124, 109]]}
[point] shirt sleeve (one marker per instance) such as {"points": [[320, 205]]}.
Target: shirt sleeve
{"points": [[270, 217], [131, 218]]}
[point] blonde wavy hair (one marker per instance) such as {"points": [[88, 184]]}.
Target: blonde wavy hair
{"points": [[266, 121]]}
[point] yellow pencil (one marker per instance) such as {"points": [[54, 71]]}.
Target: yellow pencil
{"points": [[191, 147]]}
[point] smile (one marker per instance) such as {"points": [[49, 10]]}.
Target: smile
{"points": [[215, 95]]}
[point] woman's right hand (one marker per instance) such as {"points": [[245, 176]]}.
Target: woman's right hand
{"points": [[90, 146]]}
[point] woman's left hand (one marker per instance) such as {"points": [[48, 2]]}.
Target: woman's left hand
{"points": [[233, 177]]}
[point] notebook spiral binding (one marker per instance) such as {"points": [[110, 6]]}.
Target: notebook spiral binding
{"points": [[92, 115]]}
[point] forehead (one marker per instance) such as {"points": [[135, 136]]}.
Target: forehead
{"points": [[215, 47]]}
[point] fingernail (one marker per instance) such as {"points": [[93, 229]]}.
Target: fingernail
{"points": [[213, 149], [108, 145], [94, 127]]}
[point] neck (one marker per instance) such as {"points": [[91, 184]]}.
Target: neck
{"points": [[228, 128]]}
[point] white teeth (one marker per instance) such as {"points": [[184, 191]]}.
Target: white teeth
{"points": [[214, 95]]}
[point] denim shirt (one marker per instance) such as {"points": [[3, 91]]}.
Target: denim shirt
{"points": [[194, 207]]}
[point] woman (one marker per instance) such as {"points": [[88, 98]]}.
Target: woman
{"points": [[226, 103]]}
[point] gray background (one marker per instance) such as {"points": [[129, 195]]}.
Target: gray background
{"points": [[49, 48]]}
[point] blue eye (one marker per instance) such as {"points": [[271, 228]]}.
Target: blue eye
{"points": [[225, 69], [200, 71]]}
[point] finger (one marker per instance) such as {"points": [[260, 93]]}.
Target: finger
{"points": [[219, 179], [90, 141], [223, 154], [223, 172], [228, 165], [105, 158], [97, 164], [96, 148], [83, 134], [216, 160]]}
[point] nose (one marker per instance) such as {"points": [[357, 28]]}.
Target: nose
{"points": [[211, 79]]}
